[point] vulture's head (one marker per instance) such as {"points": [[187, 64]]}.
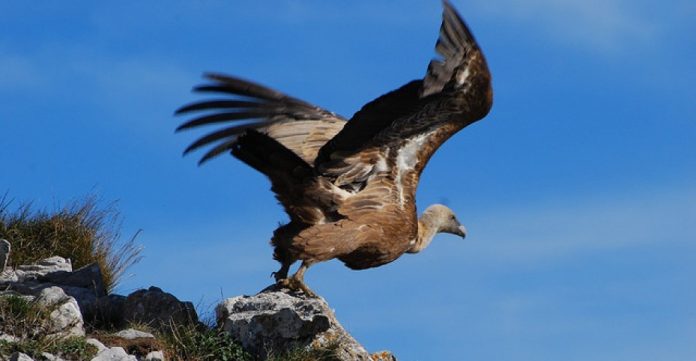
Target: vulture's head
{"points": [[436, 219], [443, 219]]}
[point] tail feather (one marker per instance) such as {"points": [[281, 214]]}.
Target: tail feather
{"points": [[271, 158]]}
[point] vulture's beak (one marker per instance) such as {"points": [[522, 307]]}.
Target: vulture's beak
{"points": [[461, 231]]}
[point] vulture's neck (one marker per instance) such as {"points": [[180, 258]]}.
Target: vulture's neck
{"points": [[428, 226]]}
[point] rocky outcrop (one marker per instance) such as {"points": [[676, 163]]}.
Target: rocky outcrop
{"points": [[114, 354], [65, 318], [273, 321], [158, 309], [277, 320], [67, 295]]}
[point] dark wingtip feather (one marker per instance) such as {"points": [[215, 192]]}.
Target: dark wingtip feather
{"points": [[219, 149], [217, 104]]}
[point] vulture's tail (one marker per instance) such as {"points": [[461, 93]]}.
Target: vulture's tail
{"points": [[293, 180], [271, 158]]}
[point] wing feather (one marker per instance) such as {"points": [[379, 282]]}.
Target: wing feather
{"points": [[457, 86], [407, 125], [301, 127]]}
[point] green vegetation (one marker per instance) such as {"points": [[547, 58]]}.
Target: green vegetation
{"points": [[200, 343], [72, 348], [302, 354], [27, 320], [22, 318], [86, 232], [83, 231]]}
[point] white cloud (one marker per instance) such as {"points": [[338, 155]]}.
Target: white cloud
{"points": [[552, 231]]}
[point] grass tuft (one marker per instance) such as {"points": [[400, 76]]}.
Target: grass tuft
{"points": [[83, 231], [72, 348], [329, 353], [28, 321], [199, 343]]}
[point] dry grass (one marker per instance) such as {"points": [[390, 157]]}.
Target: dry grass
{"points": [[329, 353], [200, 343], [28, 320], [83, 231]]}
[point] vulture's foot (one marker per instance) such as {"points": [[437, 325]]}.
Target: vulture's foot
{"points": [[282, 273], [295, 284]]}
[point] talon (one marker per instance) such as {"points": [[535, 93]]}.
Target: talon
{"points": [[296, 286]]}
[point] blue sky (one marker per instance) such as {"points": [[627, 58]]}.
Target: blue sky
{"points": [[577, 190]]}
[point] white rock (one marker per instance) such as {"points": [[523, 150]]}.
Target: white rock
{"points": [[18, 356], [8, 338], [131, 333], [114, 354], [50, 357], [8, 275], [43, 267], [276, 321], [155, 356], [65, 319], [96, 343]]}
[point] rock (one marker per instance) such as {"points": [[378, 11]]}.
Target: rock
{"points": [[85, 297], [114, 354], [106, 311], [43, 267], [18, 356], [276, 321], [4, 253], [131, 334], [88, 277], [50, 357], [8, 275], [96, 343], [8, 293], [382, 356], [65, 319], [155, 356], [158, 309], [9, 338]]}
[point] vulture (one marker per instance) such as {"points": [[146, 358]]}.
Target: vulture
{"points": [[349, 185]]}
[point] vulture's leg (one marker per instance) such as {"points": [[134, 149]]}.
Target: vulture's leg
{"points": [[282, 273], [296, 281]]}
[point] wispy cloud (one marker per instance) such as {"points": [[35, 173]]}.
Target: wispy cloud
{"points": [[656, 216]]}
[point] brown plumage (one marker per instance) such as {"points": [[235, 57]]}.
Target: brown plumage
{"points": [[349, 186]]}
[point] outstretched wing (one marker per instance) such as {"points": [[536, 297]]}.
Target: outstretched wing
{"points": [[455, 92], [301, 127]]}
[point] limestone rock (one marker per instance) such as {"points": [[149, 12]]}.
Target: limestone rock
{"points": [[18, 356], [130, 334], [8, 275], [50, 357], [65, 319], [96, 343], [114, 354], [43, 267], [158, 309], [382, 356], [8, 338], [155, 356], [4, 253], [88, 277], [276, 321], [106, 310]]}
